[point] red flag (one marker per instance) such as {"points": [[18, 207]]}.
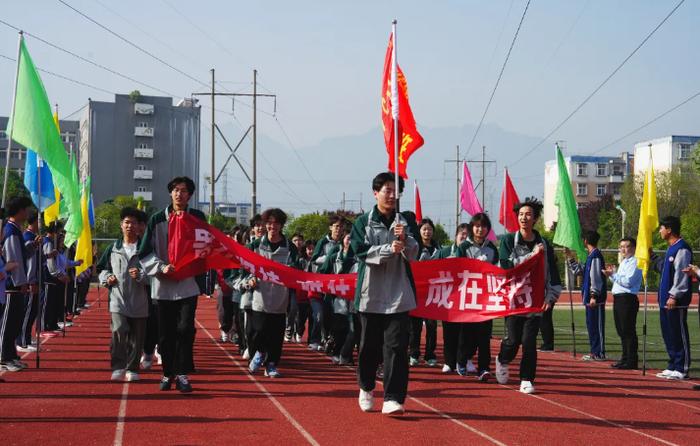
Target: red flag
{"points": [[509, 198], [419, 210], [409, 138]]}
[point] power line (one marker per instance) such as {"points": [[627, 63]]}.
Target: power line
{"points": [[124, 39], [648, 123], [605, 81], [498, 81], [63, 77]]}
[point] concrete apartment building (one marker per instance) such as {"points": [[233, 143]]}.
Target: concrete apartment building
{"points": [[136, 144], [70, 135], [592, 178], [240, 211], [667, 152]]}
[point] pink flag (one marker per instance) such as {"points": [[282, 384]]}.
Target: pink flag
{"points": [[467, 195]]}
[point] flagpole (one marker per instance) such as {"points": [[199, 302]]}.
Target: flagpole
{"points": [[40, 248], [12, 121], [644, 331], [395, 114], [571, 306]]}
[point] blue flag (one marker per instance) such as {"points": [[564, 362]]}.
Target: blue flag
{"points": [[91, 208], [31, 175]]}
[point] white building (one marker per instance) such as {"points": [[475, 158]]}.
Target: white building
{"points": [[592, 178], [240, 211], [667, 152]]}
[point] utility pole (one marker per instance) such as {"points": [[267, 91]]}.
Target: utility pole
{"points": [[253, 127], [213, 147], [458, 212]]}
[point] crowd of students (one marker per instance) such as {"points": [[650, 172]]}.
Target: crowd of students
{"points": [[149, 308]]}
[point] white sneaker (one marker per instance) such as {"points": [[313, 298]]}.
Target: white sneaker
{"points": [[366, 400], [446, 369], [27, 349], [159, 359], [470, 367], [118, 375], [501, 372], [132, 376], [10, 367], [146, 362], [224, 336], [246, 355], [413, 362], [315, 347], [297, 339], [665, 374], [676, 376], [527, 387], [392, 408]]}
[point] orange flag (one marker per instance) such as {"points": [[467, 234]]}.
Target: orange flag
{"points": [[409, 138]]}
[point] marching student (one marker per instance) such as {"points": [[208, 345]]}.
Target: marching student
{"points": [[674, 298], [177, 299], [224, 304], [121, 273], [32, 245], [151, 337], [522, 330], [454, 340], [322, 306], [303, 297], [16, 286], [478, 334], [626, 279], [270, 300], [293, 310], [428, 248], [384, 295], [257, 230], [594, 292]]}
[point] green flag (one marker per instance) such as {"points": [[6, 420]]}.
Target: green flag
{"points": [[63, 210], [568, 232], [31, 124]]}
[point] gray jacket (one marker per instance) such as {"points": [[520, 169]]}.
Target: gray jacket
{"points": [[384, 280], [129, 297], [270, 297], [153, 252]]}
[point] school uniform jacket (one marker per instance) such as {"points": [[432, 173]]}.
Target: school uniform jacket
{"points": [[129, 297], [270, 297]]}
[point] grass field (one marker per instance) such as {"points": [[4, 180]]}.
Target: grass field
{"points": [[656, 353]]}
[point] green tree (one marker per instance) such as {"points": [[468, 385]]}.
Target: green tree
{"points": [[221, 222], [107, 216], [15, 184], [440, 235], [311, 226]]}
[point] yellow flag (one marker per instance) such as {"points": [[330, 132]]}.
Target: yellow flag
{"points": [[83, 248], [51, 212], [648, 220]]}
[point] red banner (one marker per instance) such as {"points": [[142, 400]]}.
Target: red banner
{"points": [[455, 290]]}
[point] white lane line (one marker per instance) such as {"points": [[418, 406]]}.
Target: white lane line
{"points": [[439, 412], [119, 432], [262, 388]]}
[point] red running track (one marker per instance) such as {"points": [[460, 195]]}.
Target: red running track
{"points": [[71, 400]]}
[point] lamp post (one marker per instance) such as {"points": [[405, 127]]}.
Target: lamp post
{"points": [[624, 215]]}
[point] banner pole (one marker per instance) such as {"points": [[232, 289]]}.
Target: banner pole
{"points": [[644, 330], [38, 259], [395, 114], [12, 121], [571, 306]]}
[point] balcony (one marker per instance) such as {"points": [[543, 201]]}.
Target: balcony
{"points": [[146, 195], [143, 109], [143, 174], [143, 153], [616, 178], [143, 131]]}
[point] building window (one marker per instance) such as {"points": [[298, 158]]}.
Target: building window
{"points": [[616, 188], [141, 189], [143, 124], [3, 135], [140, 167], [581, 189], [684, 151], [601, 170], [582, 169], [601, 189], [143, 145], [617, 170]]}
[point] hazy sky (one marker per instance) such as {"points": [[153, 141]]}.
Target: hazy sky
{"points": [[324, 60]]}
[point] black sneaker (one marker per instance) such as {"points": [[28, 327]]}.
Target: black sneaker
{"points": [[165, 383], [183, 384]]}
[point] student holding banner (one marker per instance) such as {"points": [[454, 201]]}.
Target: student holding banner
{"points": [[384, 295], [522, 330]]}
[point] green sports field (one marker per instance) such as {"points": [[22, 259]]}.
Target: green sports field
{"points": [[656, 353]]}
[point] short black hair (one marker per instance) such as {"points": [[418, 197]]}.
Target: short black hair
{"points": [[298, 234], [143, 217], [54, 227], [276, 213], [130, 212], [310, 243], [591, 237], [631, 240], [16, 205], [482, 219], [533, 203], [426, 221], [257, 218], [461, 227], [32, 217], [180, 180], [335, 218], [386, 177], [669, 222]]}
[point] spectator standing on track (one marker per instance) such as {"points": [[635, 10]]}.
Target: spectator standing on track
{"points": [[515, 248], [384, 295], [53, 286], [270, 299], [177, 299], [303, 297], [594, 293], [674, 298], [453, 333], [428, 249], [32, 245], [122, 274], [627, 280], [478, 334]]}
